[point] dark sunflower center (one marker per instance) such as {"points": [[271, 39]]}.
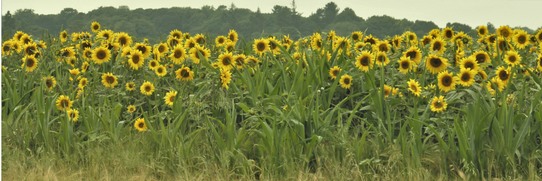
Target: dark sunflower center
{"points": [[88, 54], [503, 75], [153, 64], [383, 47], [465, 77], [512, 58], [200, 40], [435, 62], [101, 54], [364, 61], [135, 59], [522, 39], [123, 41], [142, 48], [482, 31], [185, 73], [85, 45], [319, 43], [141, 125], [411, 55], [110, 79], [239, 61], [437, 46], [30, 62], [221, 40], [72, 114], [414, 88], [49, 83], [6, 48], [446, 80], [191, 45], [260, 46], [148, 88], [95, 27], [171, 98], [173, 42], [231, 37], [480, 58], [469, 65], [161, 48], [405, 64], [371, 41], [335, 72], [226, 61], [30, 50], [411, 37], [272, 45], [355, 37], [64, 103], [106, 36], [381, 58], [449, 34], [437, 104], [347, 81], [540, 61], [64, 35], [505, 33], [426, 41], [160, 70], [178, 54]]}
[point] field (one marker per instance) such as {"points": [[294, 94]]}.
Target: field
{"points": [[103, 105]]}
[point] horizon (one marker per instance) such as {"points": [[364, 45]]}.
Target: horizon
{"points": [[514, 17]]}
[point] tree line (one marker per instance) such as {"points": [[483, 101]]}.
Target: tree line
{"points": [[155, 24]]}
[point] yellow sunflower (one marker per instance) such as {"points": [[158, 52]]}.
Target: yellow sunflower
{"points": [[260, 46], [356, 36], [198, 53], [105, 35], [482, 30], [334, 71], [225, 78], [252, 61], [438, 104], [172, 41], [539, 62], [426, 40], [95, 26], [220, 41], [512, 58], [147, 88], [446, 81], [274, 45], [63, 103], [240, 61], [82, 82], [226, 60], [30, 48], [131, 108], [436, 64], [30, 63], [63, 36], [50, 82], [447, 33], [7, 46], [466, 77], [411, 38], [538, 36], [521, 39], [160, 70], [143, 48], [73, 114], [178, 55], [382, 59], [503, 74], [233, 36], [184, 74], [153, 64], [405, 65], [229, 46], [140, 125], [136, 59], [414, 54], [101, 55], [109, 80], [123, 39], [469, 63], [414, 87], [200, 39], [438, 46], [161, 48], [170, 97], [130, 86], [382, 46], [316, 41], [481, 57], [364, 61], [346, 81], [504, 31]]}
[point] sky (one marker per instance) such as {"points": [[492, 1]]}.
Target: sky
{"points": [[525, 13]]}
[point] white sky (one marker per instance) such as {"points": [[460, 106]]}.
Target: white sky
{"points": [[471, 12]]}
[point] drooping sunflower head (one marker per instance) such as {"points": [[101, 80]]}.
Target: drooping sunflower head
{"points": [[178, 55], [184, 74], [30, 63], [364, 61], [225, 78], [411, 38], [147, 88], [414, 87], [466, 77], [101, 55], [512, 58], [438, 104], [82, 82], [63, 103], [140, 125], [405, 65], [73, 114], [436, 64], [446, 81], [169, 99], [334, 71], [396, 41], [233, 36], [109, 80], [346, 81], [261, 46]]}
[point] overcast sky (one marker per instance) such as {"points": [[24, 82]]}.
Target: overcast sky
{"points": [[471, 12]]}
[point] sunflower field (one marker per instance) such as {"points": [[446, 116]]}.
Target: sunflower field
{"points": [[441, 106]]}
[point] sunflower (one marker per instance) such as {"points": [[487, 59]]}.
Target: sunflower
{"points": [[136, 59], [448, 33], [539, 62], [140, 125], [82, 82], [356, 36], [481, 57], [161, 48], [67, 52], [438, 46], [178, 55], [316, 41], [225, 78], [160, 70], [414, 54], [170, 97], [414, 87], [131, 108], [502, 44], [229, 46], [382, 46], [468, 63], [176, 34], [220, 41], [147, 88], [382, 59], [123, 39], [190, 43], [370, 40], [434, 33], [50, 82], [233, 36], [495, 84], [73, 114], [260, 46], [504, 31], [274, 45], [26, 39], [426, 40], [7, 47], [130, 86], [240, 61], [503, 74], [446, 81], [396, 41], [538, 36], [364, 61], [199, 52], [521, 39], [74, 72], [334, 71], [512, 58], [30, 48], [436, 64], [411, 38], [341, 44], [63, 103], [30, 63], [105, 35], [438, 104], [172, 41], [200, 39], [405, 65], [359, 46], [346, 81], [482, 30], [153, 64], [466, 77], [63, 36], [143, 48], [101, 55], [184, 74], [109, 80]]}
